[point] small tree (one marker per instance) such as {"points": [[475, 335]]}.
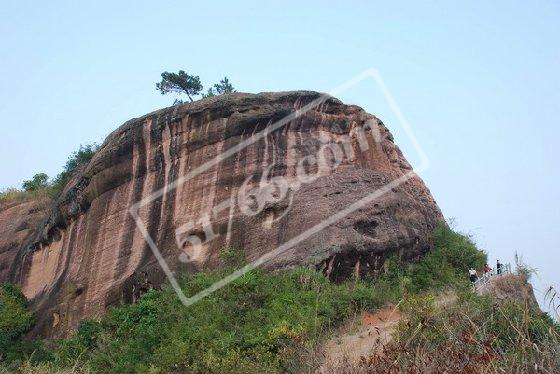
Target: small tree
{"points": [[224, 87], [209, 93], [39, 181], [180, 82], [220, 88], [76, 159]]}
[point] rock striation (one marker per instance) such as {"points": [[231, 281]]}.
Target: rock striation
{"points": [[265, 190]]}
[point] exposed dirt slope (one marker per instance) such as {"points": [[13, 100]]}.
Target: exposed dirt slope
{"points": [[355, 341]]}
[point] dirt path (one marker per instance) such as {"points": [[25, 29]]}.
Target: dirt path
{"points": [[361, 338]]}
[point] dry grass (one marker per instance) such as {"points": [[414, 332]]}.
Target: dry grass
{"points": [[12, 196], [476, 335], [44, 368], [552, 299]]}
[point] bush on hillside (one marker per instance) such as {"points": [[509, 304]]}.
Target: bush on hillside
{"points": [[39, 181], [15, 320], [75, 160], [446, 265], [39, 185], [223, 87], [251, 323]]}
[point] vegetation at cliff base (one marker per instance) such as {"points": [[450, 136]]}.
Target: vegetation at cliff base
{"points": [[249, 325], [453, 255], [275, 322], [15, 320]]}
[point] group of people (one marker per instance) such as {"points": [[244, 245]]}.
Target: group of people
{"points": [[473, 275]]}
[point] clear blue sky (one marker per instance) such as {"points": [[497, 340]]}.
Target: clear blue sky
{"points": [[478, 83]]}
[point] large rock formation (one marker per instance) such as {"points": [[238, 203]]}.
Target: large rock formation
{"points": [[89, 253], [19, 219]]}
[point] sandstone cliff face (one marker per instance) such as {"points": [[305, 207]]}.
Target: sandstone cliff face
{"points": [[89, 254]]}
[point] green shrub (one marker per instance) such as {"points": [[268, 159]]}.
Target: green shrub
{"points": [[39, 181], [446, 265], [458, 250], [249, 323], [76, 159], [15, 320], [232, 257], [39, 185]]}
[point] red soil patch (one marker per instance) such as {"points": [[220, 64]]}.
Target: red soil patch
{"points": [[381, 317]]}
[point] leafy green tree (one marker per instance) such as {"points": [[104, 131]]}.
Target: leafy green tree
{"points": [[39, 181], [77, 158], [15, 318], [180, 82], [81, 156]]}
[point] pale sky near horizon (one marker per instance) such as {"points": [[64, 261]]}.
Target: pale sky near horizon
{"points": [[478, 83]]}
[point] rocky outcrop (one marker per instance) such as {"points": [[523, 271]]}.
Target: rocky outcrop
{"points": [[510, 287], [89, 253], [19, 219]]}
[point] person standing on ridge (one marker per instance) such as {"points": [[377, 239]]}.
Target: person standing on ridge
{"points": [[498, 267], [472, 275], [487, 269]]}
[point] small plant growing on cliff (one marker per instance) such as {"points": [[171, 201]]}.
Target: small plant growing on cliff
{"points": [[40, 186], [224, 87], [180, 82], [221, 88], [76, 159]]}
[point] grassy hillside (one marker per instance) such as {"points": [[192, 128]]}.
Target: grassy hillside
{"points": [[274, 322]]}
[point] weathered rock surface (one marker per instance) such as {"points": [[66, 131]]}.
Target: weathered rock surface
{"points": [[510, 286], [89, 253], [18, 221]]}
